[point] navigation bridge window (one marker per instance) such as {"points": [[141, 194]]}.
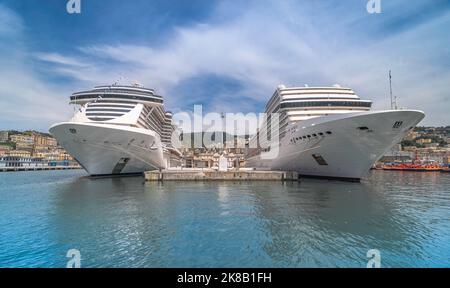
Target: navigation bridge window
{"points": [[326, 104], [94, 97]]}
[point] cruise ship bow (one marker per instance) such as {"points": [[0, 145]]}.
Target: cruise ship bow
{"points": [[330, 132], [119, 130]]}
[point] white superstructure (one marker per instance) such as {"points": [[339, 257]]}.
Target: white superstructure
{"points": [[327, 132], [119, 130]]}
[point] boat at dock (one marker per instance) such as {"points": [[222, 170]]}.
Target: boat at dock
{"points": [[415, 165], [445, 169], [412, 167], [326, 132], [119, 130]]}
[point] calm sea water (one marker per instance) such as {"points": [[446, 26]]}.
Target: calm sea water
{"points": [[129, 223]]}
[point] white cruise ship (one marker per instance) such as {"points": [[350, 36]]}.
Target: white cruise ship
{"points": [[328, 132], [119, 130]]}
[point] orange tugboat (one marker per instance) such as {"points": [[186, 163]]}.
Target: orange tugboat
{"points": [[417, 165], [413, 167], [445, 169]]}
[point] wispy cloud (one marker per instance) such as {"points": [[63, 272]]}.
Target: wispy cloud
{"points": [[233, 60], [25, 99], [59, 59], [10, 22]]}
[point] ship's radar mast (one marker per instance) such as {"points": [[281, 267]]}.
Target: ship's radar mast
{"points": [[393, 98], [137, 84]]}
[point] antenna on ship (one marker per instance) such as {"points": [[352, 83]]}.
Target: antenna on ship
{"points": [[117, 81], [137, 84], [393, 99]]}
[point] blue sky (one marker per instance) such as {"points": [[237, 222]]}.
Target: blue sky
{"points": [[227, 55]]}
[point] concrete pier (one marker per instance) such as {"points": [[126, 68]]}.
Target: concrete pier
{"points": [[213, 175]]}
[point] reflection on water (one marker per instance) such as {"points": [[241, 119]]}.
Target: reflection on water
{"points": [[125, 222]]}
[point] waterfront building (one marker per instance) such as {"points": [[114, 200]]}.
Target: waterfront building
{"points": [[22, 138], [32, 142], [4, 149], [44, 141], [18, 161], [431, 145], [119, 130], [19, 153], [4, 136], [437, 154], [23, 142], [446, 159], [411, 136], [423, 141], [223, 163], [54, 155], [209, 157], [23, 146]]}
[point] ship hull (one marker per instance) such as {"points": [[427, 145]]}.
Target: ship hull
{"points": [[356, 142], [107, 149]]}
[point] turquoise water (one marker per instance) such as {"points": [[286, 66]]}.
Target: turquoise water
{"points": [[129, 223]]}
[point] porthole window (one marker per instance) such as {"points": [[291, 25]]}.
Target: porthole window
{"points": [[329, 132]]}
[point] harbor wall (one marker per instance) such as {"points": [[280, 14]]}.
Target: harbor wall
{"points": [[201, 175]]}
